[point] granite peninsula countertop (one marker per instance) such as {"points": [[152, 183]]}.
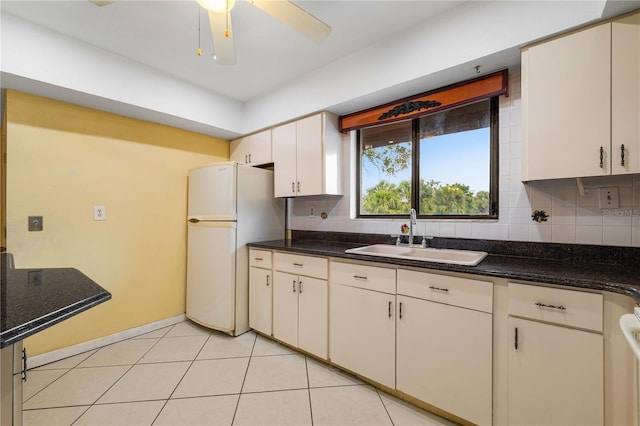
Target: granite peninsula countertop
{"points": [[553, 264], [32, 300]]}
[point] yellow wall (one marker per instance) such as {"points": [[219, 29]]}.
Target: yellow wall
{"points": [[63, 160]]}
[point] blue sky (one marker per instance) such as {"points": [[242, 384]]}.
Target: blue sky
{"points": [[456, 157]]}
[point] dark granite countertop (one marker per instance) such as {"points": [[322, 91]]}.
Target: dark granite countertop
{"points": [[34, 299], [613, 269]]}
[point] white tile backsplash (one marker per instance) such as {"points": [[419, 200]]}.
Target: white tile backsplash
{"points": [[573, 217]]}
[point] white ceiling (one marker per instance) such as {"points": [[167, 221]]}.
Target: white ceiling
{"points": [[138, 58], [164, 35]]}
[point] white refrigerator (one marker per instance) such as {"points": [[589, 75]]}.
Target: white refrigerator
{"points": [[229, 205]]}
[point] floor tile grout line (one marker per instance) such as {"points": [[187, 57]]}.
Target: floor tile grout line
{"points": [[120, 378], [384, 406], [306, 366], [166, 401], [235, 412]]}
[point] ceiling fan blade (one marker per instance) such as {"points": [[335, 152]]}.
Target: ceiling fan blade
{"points": [[223, 48], [102, 2], [296, 18]]}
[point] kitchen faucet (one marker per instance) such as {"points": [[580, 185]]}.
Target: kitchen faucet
{"points": [[412, 221]]}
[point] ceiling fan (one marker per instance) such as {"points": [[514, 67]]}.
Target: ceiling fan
{"points": [[285, 11]]}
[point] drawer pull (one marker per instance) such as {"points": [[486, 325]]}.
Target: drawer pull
{"points": [[299, 265], [515, 341], [446, 290], [258, 259], [389, 309], [294, 286], [601, 157], [544, 305], [400, 310], [300, 287], [359, 277], [622, 155], [267, 280]]}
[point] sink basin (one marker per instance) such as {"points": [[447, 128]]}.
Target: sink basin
{"points": [[458, 257]]}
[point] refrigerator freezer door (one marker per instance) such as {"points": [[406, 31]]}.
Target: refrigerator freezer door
{"points": [[212, 192], [211, 266]]}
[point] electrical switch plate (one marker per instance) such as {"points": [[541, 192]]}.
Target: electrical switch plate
{"points": [[35, 223], [312, 211], [609, 198], [99, 213]]}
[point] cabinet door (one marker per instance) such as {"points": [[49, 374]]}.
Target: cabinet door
{"points": [[362, 332], [284, 160], [625, 95], [260, 302], [555, 375], [312, 319], [239, 150], [445, 357], [310, 155], [260, 148], [285, 307], [566, 105]]}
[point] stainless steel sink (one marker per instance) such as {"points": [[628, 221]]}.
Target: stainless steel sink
{"points": [[458, 257]]}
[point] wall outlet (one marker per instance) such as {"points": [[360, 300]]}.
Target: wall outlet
{"points": [[312, 211], [609, 198], [99, 213], [35, 223]]}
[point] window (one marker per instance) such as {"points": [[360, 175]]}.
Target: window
{"points": [[442, 164]]}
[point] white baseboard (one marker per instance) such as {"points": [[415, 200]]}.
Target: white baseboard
{"points": [[58, 354]]}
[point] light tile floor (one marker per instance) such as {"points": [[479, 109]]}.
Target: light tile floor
{"points": [[187, 375]]}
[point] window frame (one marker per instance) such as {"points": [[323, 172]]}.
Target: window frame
{"points": [[415, 169]]}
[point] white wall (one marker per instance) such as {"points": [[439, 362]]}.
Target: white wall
{"points": [[574, 218]]}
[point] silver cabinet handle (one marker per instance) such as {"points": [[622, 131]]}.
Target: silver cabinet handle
{"points": [[249, 158], [446, 290], [400, 310], [622, 155], [293, 187], [294, 286], [267, 280], [300, 287], [544, 305], [299, 265], [359, 277], [258, 259], [245, 158], [389, 309], [601, 157], [298, 186], [515, 340]]}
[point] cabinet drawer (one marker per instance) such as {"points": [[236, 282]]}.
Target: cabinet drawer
{"points": [[566, 307], [301, 265], [463, 292], [362, 276], [260, 258]]}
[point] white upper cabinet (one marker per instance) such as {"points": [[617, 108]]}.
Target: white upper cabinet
{"points": [[625, 93], [580, 103], [307, 157], [253, 150]]}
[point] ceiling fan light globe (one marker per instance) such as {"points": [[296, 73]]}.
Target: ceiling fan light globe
{"points": [[218, 6]]}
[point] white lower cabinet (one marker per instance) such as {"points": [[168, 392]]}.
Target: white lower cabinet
{"points": [[362, 332], [444, 357], [444, 343], [12, 374], [260, 291], [555, 373], [260, 299], [300, 303]]}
